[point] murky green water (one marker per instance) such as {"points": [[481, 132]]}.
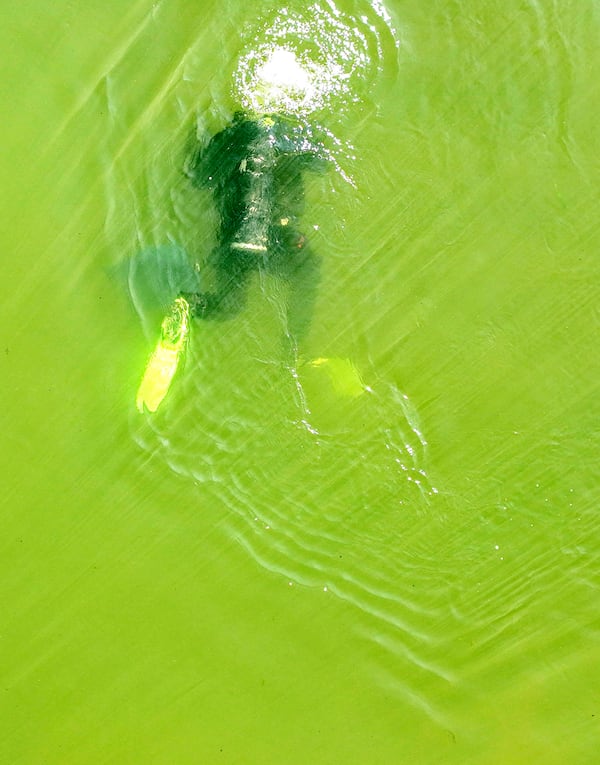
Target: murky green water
{"points": [[267, 571]]}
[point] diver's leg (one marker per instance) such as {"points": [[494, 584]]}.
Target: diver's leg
{"points": [[302, 269], [298, 265], [229, 297]]}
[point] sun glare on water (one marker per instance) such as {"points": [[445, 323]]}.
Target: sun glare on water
{"points": [[302, 63]]}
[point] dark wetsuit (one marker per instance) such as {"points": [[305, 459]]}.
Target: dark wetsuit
{"points": [[254, 169]]}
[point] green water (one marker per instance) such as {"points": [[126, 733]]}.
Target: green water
{"points": [[411, 576]]}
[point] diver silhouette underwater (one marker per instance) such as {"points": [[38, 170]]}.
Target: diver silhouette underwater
{"points": [[253, 168]]}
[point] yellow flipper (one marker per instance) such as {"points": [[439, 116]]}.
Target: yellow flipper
{"points": [[343, 375], [163, 362]]}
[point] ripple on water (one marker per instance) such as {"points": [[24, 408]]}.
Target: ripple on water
{"points": [[317, 486], [324, 507], [327, 55]]}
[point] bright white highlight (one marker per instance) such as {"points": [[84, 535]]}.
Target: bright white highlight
{"points": [[302, 62], [280, 82], [283, 70]]}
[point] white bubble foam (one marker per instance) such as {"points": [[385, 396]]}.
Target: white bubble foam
{"points": [[303, 62]]}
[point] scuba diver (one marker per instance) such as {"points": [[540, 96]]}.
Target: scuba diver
{"points": [[253, 168]]}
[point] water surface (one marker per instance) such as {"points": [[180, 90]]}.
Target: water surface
{"points": [[264, 572]]}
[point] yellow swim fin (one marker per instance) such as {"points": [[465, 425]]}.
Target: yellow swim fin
{"points": [[163, 362], [343, 375]]}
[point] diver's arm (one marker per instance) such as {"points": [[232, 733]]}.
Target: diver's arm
{"points": [[210, 165], [200, 163]]}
